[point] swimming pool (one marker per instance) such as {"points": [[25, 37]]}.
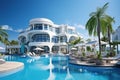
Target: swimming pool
{"points": [[58, 68]]}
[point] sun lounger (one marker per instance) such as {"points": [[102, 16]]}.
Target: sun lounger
{"points": [[33, 54]]}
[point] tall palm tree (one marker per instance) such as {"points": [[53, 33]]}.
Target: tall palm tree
{"points": [[109, 29], [93, 25], [3, 35], [6, 42]]}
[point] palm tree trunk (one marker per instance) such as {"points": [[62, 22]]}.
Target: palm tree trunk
{"points": [[98, 30], [117, 49], [109, 37]]}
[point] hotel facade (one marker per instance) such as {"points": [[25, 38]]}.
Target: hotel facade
{"points": [[116, 35], [43, 33]]}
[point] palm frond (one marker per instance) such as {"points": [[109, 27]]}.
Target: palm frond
{"points": [[91, 25]]}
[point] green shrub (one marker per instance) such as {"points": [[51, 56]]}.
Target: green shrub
{"points": [[88, 48]]}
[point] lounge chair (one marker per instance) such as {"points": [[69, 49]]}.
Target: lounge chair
{"points": [[33, 54], [29, 54]]}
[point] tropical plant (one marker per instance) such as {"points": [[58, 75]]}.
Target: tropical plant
{"points": [[6, 42], [88, 48], [109, 28], [76, 41], [3, 34], [115, 43], [104, 38], [93, 25], [13, 42]]}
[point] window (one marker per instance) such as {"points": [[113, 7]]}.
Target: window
{"points": [[72, 38], [55, 39], [70, 31], [63, 39], [41, 38], [45, 27], [38, 26], [57, 30], [50, 27]]}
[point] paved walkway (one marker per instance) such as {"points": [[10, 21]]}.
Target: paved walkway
{"points": [[10, 66]]}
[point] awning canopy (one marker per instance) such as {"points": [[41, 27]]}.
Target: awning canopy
{"points": [[39, 49]]}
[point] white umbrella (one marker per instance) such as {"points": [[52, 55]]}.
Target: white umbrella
{"points": [[39, 49]]}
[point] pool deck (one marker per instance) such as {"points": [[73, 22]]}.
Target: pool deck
{"points": [[10, 66], [85, 63]]}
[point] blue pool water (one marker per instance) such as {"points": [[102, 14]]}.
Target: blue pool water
{"points": [[57, 68]]}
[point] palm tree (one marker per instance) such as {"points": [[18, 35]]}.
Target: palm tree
{"points": [[76, 41], [6, 42], [109, 29], [93, 25], [3, 35]]}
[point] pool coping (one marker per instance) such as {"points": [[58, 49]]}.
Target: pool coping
{"points": [[9, 66], [83, 63]]}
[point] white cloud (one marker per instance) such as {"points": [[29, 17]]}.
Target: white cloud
{"points": [[7, 27], [79, 26], [19, 30]]}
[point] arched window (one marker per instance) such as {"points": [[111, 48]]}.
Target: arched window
{"points": [[46, 49], [41, 38], [72, 38], [63, 39], [22, 39], [55, 49]]}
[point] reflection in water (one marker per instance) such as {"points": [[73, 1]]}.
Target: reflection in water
{"points": [[51, 75], [30, 60], [60, 54], [46, 67], [51, 66], [69, 76]]}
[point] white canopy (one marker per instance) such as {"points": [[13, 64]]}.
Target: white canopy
{"points": [[73, 48], [39, 49], [96, 43], [80, 44]]}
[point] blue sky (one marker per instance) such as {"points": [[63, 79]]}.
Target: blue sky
{"points": [[15, 14]]}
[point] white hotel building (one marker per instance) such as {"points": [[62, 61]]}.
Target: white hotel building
{"points": [[45, 34], [116, 35]]}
